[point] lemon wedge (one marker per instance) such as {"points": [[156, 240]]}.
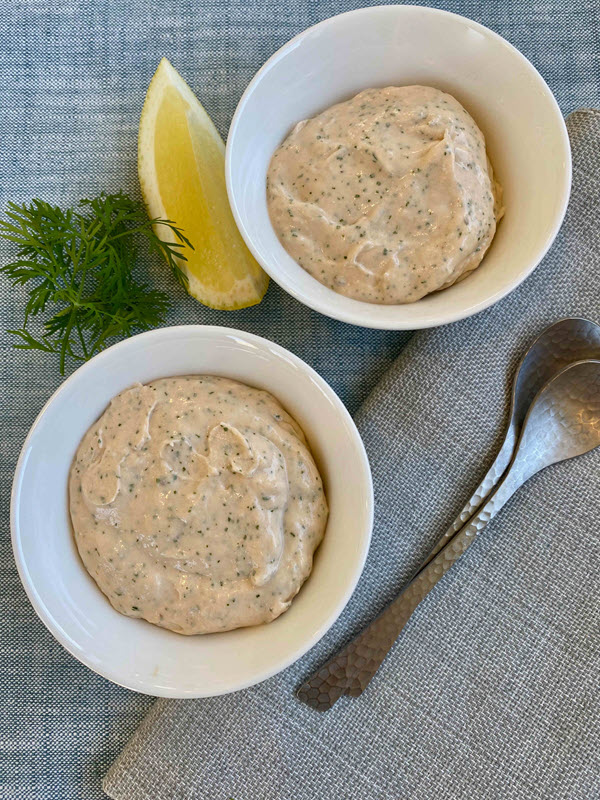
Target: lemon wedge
{"points": [[181, 166]]}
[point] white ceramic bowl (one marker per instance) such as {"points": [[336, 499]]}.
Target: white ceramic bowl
{"points": [[133, 652], [401, 45]]}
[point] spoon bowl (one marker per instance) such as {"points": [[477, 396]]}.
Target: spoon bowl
{"points": [[563, 421], [568, 340]]}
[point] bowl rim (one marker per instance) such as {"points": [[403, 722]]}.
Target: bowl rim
{"points": [[350, 315], [111, 673]]}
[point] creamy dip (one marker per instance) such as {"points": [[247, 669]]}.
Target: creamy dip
{"points": [[196, 504], [386, 197]]}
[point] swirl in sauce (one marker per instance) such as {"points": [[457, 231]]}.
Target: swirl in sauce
{"points": [[196, 504], [386, 197]]}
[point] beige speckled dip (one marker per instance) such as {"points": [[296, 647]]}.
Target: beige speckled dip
{"points": [[196, 504], [386, 197]]}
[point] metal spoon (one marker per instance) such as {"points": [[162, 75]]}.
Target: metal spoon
{"points": [[571, 339], [563, 422]]}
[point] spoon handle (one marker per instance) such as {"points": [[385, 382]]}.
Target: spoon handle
{"points": [[351, 669], [483, 491]]}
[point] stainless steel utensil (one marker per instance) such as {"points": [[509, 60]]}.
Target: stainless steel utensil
{"points": [[568, 340], [562, 422]]}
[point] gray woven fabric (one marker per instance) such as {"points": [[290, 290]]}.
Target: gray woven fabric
{"points": [[492, 690], [73, 77]]}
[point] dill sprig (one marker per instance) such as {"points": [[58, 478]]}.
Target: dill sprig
{"points": [[78, 266]]}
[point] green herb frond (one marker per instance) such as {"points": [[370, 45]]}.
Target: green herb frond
{"points": [[78, 265]]}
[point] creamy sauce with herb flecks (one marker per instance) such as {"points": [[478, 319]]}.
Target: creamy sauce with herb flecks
{"points": [[386, 197], [196, 504]]}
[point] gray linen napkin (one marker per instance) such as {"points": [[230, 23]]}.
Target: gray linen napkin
{"points": [[492, 689]]}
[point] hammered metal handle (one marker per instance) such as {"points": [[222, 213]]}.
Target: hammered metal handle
{"points": [[351, 669]]}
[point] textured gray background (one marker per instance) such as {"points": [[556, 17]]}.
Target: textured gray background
{"points": [[72, 80], [491, 691]]}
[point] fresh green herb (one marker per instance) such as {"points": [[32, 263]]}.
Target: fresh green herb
{"points": [[78, 264]]}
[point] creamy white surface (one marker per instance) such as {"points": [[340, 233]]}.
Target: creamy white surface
{"points": [[386, 197], [196, 504]]}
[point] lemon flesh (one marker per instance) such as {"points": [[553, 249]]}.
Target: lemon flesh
{"points": [[181, 166]]}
